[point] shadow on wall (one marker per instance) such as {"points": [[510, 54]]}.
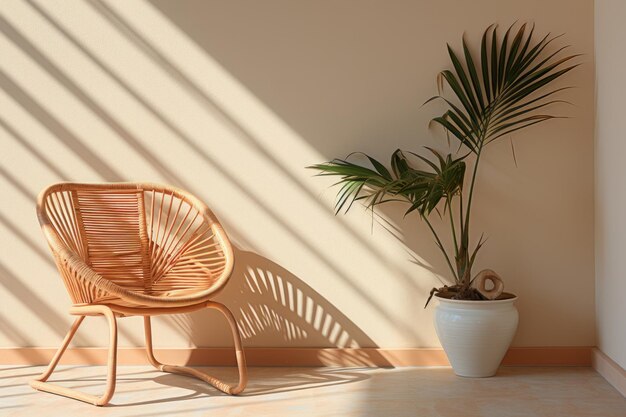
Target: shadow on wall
{"points": [[273, 307]]}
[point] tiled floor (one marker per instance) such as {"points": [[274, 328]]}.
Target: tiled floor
{"points": [[415, 392]]}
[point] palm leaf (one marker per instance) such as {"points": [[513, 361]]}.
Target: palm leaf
{"points": [[423, 190], [502, 91]]}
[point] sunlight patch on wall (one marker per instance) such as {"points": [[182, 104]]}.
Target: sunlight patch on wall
{"points": [[120, 93]]}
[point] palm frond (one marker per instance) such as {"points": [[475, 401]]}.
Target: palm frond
{"points": [[498, 93], [422, 189]]}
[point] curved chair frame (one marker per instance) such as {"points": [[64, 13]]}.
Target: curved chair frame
{"points": [[203, 253]]}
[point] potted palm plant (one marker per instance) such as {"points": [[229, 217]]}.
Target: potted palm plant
{"points": [[506, 89]]}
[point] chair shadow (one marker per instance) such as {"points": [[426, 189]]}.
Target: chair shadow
{"points": [[263, 381], [274, 307]]}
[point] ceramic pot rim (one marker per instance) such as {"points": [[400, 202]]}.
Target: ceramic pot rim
{"points": [[477, 302]]}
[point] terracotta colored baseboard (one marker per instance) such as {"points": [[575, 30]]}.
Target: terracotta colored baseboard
{"points": [[549, 356], [369, 357], [609, 370]]}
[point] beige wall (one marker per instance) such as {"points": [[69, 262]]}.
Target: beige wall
{"points": [[610, 172], [231, 100]]}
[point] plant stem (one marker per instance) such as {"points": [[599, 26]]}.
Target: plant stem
{"points": [[445, 254], [471, 191], [461, 210], [456, 246], [466, 229]]}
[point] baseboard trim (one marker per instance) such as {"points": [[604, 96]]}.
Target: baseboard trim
{"points": [[369, 357], [610, 370]]}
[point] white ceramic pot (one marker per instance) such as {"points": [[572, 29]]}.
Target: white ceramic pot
{"points": [[475, 334]]}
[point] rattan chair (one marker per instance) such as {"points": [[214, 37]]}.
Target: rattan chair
{"points": [[135, 249]]}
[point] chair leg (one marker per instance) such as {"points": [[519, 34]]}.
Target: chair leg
{"points": [[82, 311], [184, 370]]}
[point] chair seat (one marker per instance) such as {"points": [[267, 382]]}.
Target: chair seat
{"points": [[127, 307]]}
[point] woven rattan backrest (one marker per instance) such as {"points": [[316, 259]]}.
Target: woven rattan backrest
{"points": [[112, 224], [185, 251], [145, 238]]}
